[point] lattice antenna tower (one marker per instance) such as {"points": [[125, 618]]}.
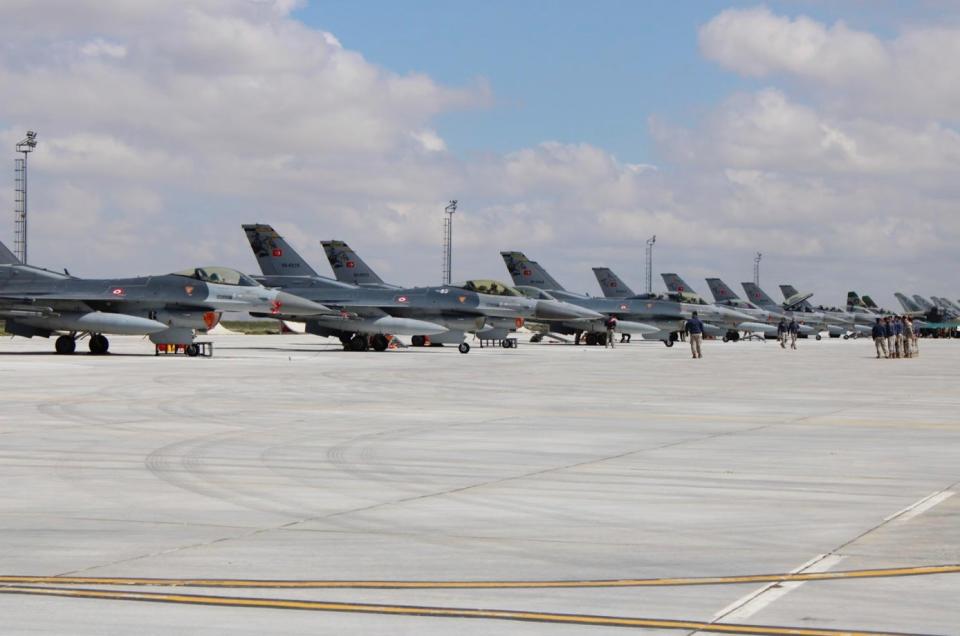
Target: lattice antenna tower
{"points": [[20, 196], [649, 264], [448, 241], [756, 269]]}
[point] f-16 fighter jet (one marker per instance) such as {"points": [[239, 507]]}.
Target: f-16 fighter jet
{"points": [[370, 312], [808, 316], [168, 308], [725, 296], [761, 321], [832, 315], [655, 316]]}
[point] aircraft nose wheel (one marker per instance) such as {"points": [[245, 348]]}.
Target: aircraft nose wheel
{"points": [[65, 345], [99, 344], [463, 348]]}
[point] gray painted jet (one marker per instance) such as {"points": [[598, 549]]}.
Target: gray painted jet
{"points": [[656, 316], [167, 308], [725, 296], [807, 316], [759, 318], [832, 315], [369, 313]]}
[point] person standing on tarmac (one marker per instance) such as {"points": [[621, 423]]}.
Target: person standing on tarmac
{"points": [[879, 338], [898, 335], [916, 337], [888, 333], [907, 337], [794, 329], [611, 325], [694, 327], [782, 333]]}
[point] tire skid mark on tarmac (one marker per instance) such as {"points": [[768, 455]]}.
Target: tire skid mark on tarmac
{"points": [[440, 612]]}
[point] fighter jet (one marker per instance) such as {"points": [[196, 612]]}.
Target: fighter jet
{"points": [[371, 312], [807, 316], [167, 308], [832, 315], [655, 316], [349, 268], [725, 296], [759, 318]]}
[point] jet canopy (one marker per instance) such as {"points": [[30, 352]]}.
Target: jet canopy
{"points": [[492, 287], [219, 276]]}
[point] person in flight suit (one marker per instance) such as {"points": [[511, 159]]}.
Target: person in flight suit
{"points": [[782, 333], [794, 330], [694, 327]]}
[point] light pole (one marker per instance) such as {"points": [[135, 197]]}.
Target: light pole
{"points": [[448, 241], [649, 264], [756, 269], [20, 196]]}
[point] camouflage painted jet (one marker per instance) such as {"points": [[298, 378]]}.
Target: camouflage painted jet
{"points": [[371, 312], [167, 308], [655, 316], [725, 296]]}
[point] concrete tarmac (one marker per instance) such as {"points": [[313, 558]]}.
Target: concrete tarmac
{"points": [[283, 457]]}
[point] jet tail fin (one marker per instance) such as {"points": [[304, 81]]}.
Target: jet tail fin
{"points": [[348, 267], [853, 300], [676, 284], [7, 257], [720, 290], [758, 296], [274, 255], [869, 302], [611, 284], [907, 303], [528, 273]]}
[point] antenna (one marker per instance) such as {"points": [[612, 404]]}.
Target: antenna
{"points": [[649, 265], [448, 241], [20, 196], [756, 269]]}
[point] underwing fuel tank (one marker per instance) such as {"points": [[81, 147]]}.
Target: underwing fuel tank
{"points": [[384, 325], [99, 322]]}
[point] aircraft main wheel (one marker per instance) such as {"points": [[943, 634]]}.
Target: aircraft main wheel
{"points": [[65, 345], [725, 339], [345, 339], [359, 343], [669, 343], [819, 336], [418, 341], [99, 344], [463, 348], [591, 339], [379, 342]]}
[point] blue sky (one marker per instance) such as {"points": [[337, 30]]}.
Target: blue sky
{"points": [[567, 70]]}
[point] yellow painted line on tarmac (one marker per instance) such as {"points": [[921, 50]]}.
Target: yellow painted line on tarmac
{"points": [[444, 612], [421, 585]]}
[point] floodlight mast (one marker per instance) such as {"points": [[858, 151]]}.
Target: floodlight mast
{"points": [[649, 264], [756, 269], [26, 146], [448, 241]]}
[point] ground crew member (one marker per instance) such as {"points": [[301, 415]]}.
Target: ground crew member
{"points": [[898, 335], [611, 325], [694, 327], [888, 333], [916, 337], [794, 330], [782, 333], [879, 338], [907, 337]]}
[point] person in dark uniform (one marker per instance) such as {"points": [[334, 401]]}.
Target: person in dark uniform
{"points": [[782, 333], [879, 338], [694, 327], [794, 330]]}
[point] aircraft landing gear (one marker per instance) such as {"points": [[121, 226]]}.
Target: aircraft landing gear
{"points": [[359, 342], [819, 336], [463, 348], [99, 345], [669, 343], [379, 342], [65, 345], [418, 341], [731, 336], [591, 339]]}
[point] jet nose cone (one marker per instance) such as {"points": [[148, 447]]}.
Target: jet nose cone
{"points": [[555, 310], [290, 305]]}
